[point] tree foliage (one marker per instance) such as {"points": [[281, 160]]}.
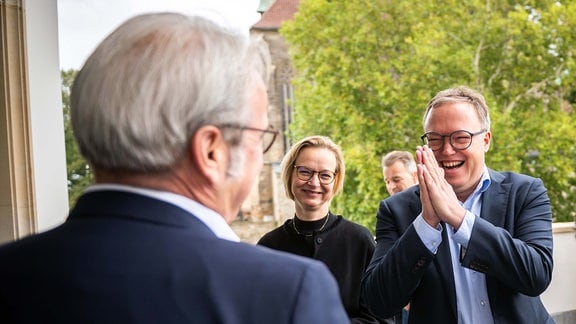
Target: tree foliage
{"points": [[78, 171], [367, 68]]}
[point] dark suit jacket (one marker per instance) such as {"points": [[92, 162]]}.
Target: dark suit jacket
{"points": [[511, 243], [125, 258]]}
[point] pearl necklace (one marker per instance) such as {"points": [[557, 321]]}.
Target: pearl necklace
{"points": [[318, 230]]}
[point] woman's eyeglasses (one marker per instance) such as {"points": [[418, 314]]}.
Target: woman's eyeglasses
{"points": [[325, 176]]}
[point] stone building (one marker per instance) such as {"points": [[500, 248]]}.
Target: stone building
{"points": [[268, 201]]}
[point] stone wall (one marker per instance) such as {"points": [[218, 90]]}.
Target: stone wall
{"points": [[560, 297], [270, 202]]}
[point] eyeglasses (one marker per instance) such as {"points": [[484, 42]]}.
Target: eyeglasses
{"points": [[268, 135], [325, 176], [460, 139]]}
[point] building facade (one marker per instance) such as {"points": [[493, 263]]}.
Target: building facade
{"points": [[33, 188], [271, 203]]}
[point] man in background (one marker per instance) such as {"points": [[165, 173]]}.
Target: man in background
{"points": [[399, 171], [171, 113]]}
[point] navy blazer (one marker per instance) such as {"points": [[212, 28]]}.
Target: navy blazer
{"points": [[511, 243], [126, 258]]}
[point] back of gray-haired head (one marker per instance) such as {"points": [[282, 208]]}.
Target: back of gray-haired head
{"points": [[461, 94], [154, 81]]}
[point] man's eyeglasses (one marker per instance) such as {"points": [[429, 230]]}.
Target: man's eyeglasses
{"points": [[268, 135], [460, 139], [325, 176]]}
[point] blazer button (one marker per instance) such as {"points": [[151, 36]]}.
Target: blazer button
{"points": [[319, 240]]}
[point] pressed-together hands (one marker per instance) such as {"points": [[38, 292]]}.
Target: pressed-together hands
{"points": [[439, 201]]}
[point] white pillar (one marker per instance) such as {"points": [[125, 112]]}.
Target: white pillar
{"points": [[48, 147]]}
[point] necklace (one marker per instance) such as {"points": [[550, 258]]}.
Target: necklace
{"points": [[310, 234]]}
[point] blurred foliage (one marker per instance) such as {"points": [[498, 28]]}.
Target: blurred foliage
{"points": [[367, 68], [78, 171]]}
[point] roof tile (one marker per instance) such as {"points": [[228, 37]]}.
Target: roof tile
{"points": [[280, 11]]}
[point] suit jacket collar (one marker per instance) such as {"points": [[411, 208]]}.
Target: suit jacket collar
{"points": [[495, 199], [122, 204]]}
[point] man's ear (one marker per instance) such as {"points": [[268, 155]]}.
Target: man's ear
{"points": [[487, 141], [209, 152], [415, 176]]}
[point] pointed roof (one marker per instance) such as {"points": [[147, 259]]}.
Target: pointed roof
{"points": [[279, 12]]}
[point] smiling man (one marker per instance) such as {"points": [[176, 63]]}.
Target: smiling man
{"points": [[469, 244], [399, 171]]}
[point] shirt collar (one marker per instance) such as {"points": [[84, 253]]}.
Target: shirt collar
{"points": [[215, 222], [485, 181]]}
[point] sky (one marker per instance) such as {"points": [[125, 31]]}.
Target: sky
{"points": [[82, 24]]}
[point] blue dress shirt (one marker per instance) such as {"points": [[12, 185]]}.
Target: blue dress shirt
{"points": [[471, 294]]}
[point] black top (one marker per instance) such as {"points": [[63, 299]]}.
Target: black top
{"points": [[345, 247]]}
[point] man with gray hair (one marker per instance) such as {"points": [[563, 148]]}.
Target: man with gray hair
{"points": [[399, 171], [171, 113]]}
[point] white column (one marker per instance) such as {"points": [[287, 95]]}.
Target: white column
{"points": [[48, 147]]}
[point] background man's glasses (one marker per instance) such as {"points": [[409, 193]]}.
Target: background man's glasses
{"points": [[325, 176], [460, 139], [268, 135]]}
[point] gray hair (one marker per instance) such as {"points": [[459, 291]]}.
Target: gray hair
{"points": [[154, 81], [461, 94], [403, 156]]}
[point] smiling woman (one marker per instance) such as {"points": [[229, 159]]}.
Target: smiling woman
{"points": [[313, 173]]}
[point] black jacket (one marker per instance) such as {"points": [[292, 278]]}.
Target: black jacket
{"points": [[345, 247]]}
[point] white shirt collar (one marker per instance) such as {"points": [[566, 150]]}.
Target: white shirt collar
{"points": [[215, 222]]}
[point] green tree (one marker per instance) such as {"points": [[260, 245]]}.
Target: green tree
{"points": [[367, 68], [78, 170]]}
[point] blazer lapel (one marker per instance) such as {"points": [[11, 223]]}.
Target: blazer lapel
{"points": [[495, 199]]}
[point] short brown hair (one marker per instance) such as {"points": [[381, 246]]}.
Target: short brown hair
{"points": [[461, 94]]}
